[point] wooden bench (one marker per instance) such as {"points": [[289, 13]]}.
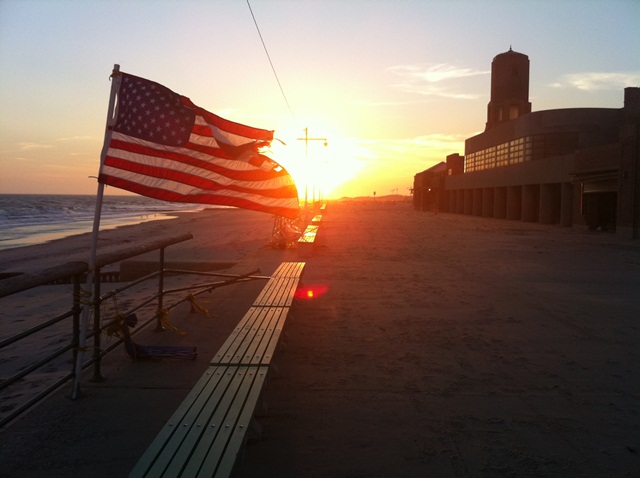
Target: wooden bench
{"points": [[307, 240], [205, 435], [309, 235]]}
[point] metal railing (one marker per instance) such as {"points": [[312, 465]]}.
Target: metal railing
{"points": [[75, 273]]}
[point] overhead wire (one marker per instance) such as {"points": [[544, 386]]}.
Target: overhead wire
{"points": [[270, 62]]}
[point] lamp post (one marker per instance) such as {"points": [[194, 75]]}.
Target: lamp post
{"points": [[306, 140]]}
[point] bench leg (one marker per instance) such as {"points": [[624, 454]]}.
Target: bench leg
{"points": [[262, 409], [255, 431]]}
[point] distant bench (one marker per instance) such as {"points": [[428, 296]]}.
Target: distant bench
{"points": [[206, 434], [308, 237], [310, 234]]}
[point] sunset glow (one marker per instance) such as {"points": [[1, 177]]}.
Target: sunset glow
{"points": [[318, 168], [394, 91]]}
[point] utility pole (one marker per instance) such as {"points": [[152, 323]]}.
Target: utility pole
{"points": [[306, 140]]}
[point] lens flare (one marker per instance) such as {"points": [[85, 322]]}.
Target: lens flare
{"points": [[309, 292]]}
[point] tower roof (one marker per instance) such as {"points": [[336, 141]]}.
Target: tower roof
{"points": [[510, 54]]}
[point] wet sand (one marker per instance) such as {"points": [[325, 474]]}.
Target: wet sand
{"points": [[444, 345]]}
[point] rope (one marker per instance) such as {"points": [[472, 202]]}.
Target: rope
{"points": [[84, 297], [269, 58], [115, 329], [163, 315], [195, 306]]}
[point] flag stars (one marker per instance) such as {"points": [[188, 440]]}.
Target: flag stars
{"points": [[150, 111]]}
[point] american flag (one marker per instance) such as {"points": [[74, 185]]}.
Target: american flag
{"points": [[163, 146]]}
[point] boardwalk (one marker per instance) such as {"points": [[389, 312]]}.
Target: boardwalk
{"points": [[433, 346]]}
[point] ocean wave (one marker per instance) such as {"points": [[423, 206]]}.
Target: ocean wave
{"points": [[35, 218]]}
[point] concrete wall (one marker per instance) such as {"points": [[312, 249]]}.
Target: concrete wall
{"points": [[544, 203]]}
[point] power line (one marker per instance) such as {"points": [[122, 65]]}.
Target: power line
{"points": [[269, 58]]}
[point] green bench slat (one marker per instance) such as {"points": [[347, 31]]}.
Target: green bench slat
{"points": [[255, 339], [216, 413], [289, 269], [234, 435], [186, 413], [278, 292]]}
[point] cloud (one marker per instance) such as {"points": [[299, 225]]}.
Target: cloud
{"points": [[383, 103], [441, 80], [29, 146], [77, 138], [432, 146], [595, 81]]}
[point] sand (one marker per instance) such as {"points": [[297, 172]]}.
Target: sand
{"points": [[444, 345]]}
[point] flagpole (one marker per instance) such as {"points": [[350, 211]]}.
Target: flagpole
{"points": [[306, 140], [91, 272]]}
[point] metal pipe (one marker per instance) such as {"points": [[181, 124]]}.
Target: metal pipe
{"points": [[159, 326], [97, 374]]}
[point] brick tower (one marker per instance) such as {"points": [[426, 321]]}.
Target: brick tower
{"points": [[509, 88]]}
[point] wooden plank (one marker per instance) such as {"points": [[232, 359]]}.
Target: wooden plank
{"points": [[212, 432], [231, 350], [230, 420], [283, 269], [264, 354], [207, 423], [166, 444], [238, 422], [289, 269], [309, 235], [254, 344], [269, 293], [278, 292], [238, 437]]}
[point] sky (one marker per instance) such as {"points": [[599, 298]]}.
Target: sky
{"points": [[393, 86]]}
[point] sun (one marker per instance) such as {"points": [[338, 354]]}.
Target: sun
{"points": [[319, 160]]}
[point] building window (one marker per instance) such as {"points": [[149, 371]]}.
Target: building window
{"points": [[528, 148], [490, 157], [516, 151], [502, 154], [557, 144], [470, 162]]}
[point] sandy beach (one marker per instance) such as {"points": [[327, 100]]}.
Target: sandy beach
{"points": [[442, 345]]}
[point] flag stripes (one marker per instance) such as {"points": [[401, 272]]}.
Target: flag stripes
{"points": [[216, 162]]}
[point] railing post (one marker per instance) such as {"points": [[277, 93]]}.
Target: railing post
{"points": [[97, 333], [159, 326], [77, 310]]}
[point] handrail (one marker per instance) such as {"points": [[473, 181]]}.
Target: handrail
{"points": [[22, 282], [76, 270]]}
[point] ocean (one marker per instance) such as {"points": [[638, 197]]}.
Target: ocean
{"points": [[27, 219]]}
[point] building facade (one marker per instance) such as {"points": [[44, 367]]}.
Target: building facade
{"points": [[571, 167]]}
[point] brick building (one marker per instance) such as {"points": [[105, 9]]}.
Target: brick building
{"points": [[572, 167]]}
